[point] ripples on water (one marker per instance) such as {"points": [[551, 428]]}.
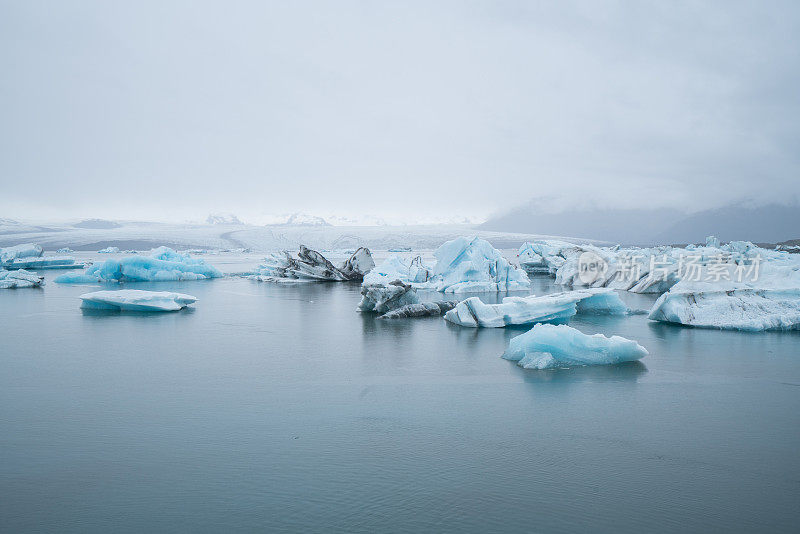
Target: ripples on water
{"points": [[272, 408]]}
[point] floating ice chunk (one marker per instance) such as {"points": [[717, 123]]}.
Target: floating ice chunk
{"points": [[65, 250], [547, 346], [45, 262], [359, 264], [407, 270], [136, 300], [543, 256], [420, 309], [20, 279], [712, 241], [473, 265], [26, 250], [312, 266], [769, 302], [555, 308], [109, 250], [162, 266], [380, 298], [30, 256]]}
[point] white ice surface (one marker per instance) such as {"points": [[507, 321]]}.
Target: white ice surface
{"points": [[555, 308], [770, 302], [25, 250], [271, 238], [19, 279], [136, 300]]}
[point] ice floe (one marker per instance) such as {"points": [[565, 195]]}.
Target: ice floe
{"points": [[555, 308], [729, 297], [136, 300], [547, 346], [163, 265], [381, 298], [20, 279], [45, 262], [310, 265], [109, 250], [31, 256], [25, 250]]}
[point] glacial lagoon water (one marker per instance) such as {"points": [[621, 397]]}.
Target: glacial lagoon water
{"points": [[273, 408]]}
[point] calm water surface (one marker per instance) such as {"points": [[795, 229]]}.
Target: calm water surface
{"points": [[279, 408]]}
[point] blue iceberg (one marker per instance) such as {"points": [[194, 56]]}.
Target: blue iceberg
{"points": [[163, 265], [547, 346], [463, 265]]}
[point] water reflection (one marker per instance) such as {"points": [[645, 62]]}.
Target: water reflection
{"points": [[622, 372], [97, 312]]}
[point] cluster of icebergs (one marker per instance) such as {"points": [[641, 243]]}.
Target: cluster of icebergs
{"points": [[462, 265], [733, 286], [638, 270]]}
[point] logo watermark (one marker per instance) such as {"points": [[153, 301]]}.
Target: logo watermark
{"points": [[591, 267], [691, 267]]}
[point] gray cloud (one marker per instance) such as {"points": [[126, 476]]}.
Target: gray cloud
{"points": [[176, 109]]}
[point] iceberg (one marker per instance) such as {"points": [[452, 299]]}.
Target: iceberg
{"points": [[109, 250], [136, 300], [407, 270], [555, 308], [547, 346], [64, 250], [19, 279], [30, 256], [722, 300], [26, 250], [381, 298], [420, 309], [45, 262], [543, 256], [163, 265], [310, 265], [473, 265]]}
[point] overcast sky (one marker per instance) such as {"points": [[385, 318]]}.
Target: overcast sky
{"points": [[172, 110]]}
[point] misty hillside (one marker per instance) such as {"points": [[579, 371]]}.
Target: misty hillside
{"points": [[766, 224]]}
